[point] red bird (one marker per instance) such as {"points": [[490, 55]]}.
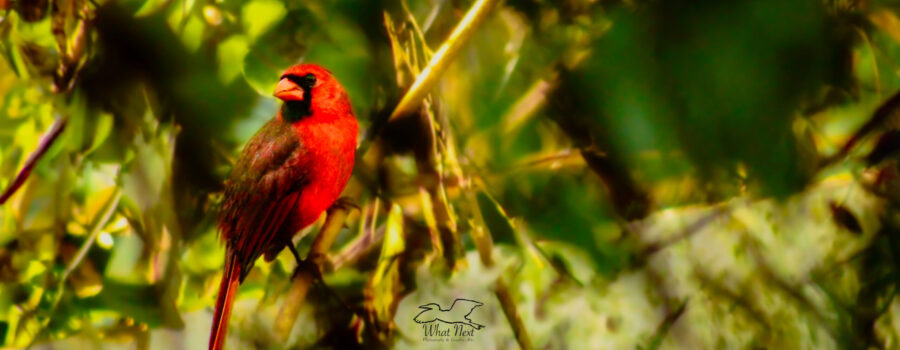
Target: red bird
{"points": [[291, 171]]}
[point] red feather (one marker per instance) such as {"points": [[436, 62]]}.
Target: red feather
{"points": [[227, 289], [288, 174]]}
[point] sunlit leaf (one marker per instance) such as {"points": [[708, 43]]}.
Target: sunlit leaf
{"points": [[260, 15], [887, 21], [104, 125], [230, 54], [192, 35], [151, 6], [96, 202], [385, 283], [125, 259], [178, 14]]}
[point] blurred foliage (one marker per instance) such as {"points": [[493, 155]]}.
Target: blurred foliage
{"points": [[615, 174]]}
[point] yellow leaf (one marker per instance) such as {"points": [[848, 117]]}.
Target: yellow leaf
{"points": [[384, 287], [393, 243], [887, 21], [96, 202]]}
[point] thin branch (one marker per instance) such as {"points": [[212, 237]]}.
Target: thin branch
{"points": [[692, 229], [528, 104], [365, 238], [885, 112], [485, 246], [426, 51], [444, 56], [512, 314], [666, 325], [100, 221], [875, 74], [55, 130], [352, 252], [287, 316]]}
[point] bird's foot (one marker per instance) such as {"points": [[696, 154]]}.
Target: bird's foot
{"points": [[322, 261], [309, 267], [345, 203], [315, 265]]}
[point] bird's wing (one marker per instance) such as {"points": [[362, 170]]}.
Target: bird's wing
{"points": [[263, 191]]}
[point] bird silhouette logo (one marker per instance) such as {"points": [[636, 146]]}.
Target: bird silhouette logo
{"points": [[457, 313]]}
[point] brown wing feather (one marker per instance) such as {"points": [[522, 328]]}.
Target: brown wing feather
{"points": [[263, 191]]}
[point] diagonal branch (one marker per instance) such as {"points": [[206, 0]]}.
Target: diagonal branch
{"points": [[443, 57], [55, 130], [287, 315]]}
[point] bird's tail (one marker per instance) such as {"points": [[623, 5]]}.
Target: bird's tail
{"points": [[231, 279]]}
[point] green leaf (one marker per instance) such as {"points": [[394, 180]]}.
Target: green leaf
{"points": [[230, 54], [261, 70], [192, 34], [393, 244], [138, 301], [104, 124], [261, 15], [150, 7]]}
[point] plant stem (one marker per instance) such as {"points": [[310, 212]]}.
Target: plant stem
{"points": [[444, 56], [512, 314], [287, 316], [105, 214], [485, 246], [55, 130], [99, 223]]}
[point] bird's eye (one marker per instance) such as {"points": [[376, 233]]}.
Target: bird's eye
{"points": [[309, 80]]}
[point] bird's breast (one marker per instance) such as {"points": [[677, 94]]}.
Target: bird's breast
{"points": [[328, 157]]}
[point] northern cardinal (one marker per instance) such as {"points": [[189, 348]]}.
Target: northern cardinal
{"points": [[291, 171]]}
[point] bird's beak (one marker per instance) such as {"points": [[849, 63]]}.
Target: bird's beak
{"points": [[287, 90]]}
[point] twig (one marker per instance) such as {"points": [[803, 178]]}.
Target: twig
{"points": [[421, 35], [354, 250], [484, 244], [528, 104], [889, 109], [875, 74], [444, 56], [104, 215], [666, 325], [287, 316], [55, 130], [365, 239], [692, 229], [512, 314], [444, 216], [434, 232], [101, 221]]}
